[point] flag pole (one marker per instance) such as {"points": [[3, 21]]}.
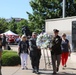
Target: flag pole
{"points": [[63, 8]]}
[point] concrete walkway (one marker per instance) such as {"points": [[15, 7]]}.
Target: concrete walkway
{"points": [[16, 70]]}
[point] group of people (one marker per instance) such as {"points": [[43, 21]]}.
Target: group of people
{"points": [[29, 47], [60, 51]]}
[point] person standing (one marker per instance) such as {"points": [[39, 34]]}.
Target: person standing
{"points": [[23, 51], [0, 53], [56, 51], [35, 53], [4, 42], [65, 50]]}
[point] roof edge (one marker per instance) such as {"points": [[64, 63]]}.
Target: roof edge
{"points": [[60, 19]]}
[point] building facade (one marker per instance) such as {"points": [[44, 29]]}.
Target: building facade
{"points": [[64, 25]]}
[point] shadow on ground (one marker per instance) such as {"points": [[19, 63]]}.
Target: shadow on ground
{"points": [[63, 73], [71, 68], [49, 72]]}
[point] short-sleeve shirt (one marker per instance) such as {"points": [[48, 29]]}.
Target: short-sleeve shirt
{"points": [[64, 45], [24, 46]]}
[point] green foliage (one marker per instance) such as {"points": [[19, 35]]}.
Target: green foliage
{"points": [[42, 10], [20, 25], [48, 9], [10, 58], [12, 25], [7, 51], [16, 27], [70, 8], [38, 30], [3, 25]]}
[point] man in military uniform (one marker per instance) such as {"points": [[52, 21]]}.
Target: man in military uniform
{"points": [[35, 53], [56, 51]]}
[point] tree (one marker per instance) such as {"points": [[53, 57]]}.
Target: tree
{"points": [[20, 25], [42, 10], [12, 26], [48, 9], [3, 25], [70, 8]]}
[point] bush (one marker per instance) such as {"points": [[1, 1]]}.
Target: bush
{"points": [[10, 58], [7, 51]]}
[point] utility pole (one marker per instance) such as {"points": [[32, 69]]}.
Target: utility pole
{"points": [[63, 9]]}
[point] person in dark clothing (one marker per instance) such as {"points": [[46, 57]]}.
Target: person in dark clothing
{"points": [[35, 53], [66, 50], [56, 51], [4, 42], [0, 53], [23, 51]]}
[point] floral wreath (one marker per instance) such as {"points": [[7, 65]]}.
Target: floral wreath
{"points": [[44, 40]]}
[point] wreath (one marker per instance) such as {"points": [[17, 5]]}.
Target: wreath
{"points": [[44, 40]]}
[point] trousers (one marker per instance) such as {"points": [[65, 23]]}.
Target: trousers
{"points": [[35, 60], [56, 61], [24, 57], [64, 58]]}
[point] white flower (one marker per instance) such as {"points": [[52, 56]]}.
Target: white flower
{"points": [[44, 40]]}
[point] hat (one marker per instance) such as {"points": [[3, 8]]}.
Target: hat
{"points": [[55, 30], [23, 36]]}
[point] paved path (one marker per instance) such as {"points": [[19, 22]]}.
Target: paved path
{"points": [[16, 70]]}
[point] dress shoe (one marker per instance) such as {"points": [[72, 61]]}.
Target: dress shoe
{"points": [[63, 68], [26, 68], [54, 73], [65, 65], [37, 72], [57, 69], [22, 68], [33, 71]]}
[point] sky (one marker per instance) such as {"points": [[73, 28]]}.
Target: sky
{"points": [[14, 8]]}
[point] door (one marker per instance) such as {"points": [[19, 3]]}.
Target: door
{"points": [[74, 35]]}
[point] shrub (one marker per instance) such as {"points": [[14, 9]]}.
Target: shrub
{"points": [[10, 58], [7, 51]]}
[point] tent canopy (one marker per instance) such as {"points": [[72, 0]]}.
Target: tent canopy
{"points": [[10, 33]]}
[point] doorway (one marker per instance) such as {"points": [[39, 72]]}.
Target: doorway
{"points": [[74, 35]]}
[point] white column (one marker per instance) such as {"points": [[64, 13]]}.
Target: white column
{"points": [[63, 8]]}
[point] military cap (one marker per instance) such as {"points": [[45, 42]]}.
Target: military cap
{"points": [[55, 30]]}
